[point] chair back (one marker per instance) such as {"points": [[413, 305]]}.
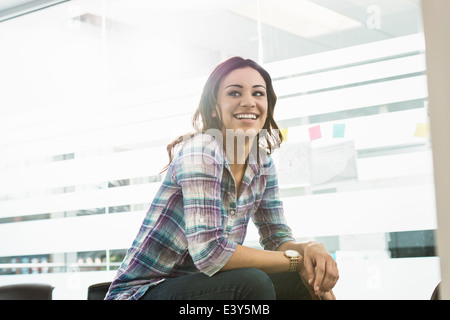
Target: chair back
{"points": [[98, 291], [26, 291]]}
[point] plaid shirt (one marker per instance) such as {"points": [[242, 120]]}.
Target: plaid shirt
{"points": [[196, 219]]}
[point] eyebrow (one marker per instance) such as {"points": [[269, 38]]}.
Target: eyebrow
{"points": [[240, 86]]}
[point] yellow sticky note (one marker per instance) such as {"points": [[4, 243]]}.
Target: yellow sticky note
{"points": [[422, 130], [284, 132]]}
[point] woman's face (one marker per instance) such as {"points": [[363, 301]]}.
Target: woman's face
{"points": [[242, 101]]}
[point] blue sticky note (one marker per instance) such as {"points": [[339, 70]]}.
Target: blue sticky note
{"points": [[338, 130]]}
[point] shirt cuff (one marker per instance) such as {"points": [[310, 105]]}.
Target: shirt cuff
{"points": [[215, 265]]}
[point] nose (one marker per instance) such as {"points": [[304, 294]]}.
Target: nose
{"points": [[247, 101]]}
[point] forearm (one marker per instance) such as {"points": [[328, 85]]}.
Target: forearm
{"points": [[267, 261]]}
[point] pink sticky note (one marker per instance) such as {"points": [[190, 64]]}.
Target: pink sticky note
{"points": [[315, 133]]}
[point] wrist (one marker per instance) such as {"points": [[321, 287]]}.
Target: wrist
{"points": [[297, 246], [301, 246]]}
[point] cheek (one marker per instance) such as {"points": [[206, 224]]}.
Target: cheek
{"points": [[264, 114], [264, 122]]}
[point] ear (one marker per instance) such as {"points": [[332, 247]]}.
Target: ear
{"points": [[214, 114]]}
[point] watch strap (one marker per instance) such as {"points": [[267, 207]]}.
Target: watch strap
{"points": [[294, 264]]}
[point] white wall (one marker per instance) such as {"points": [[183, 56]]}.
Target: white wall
{"points": [[436, 15]]}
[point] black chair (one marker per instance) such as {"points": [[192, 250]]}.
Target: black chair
{"points": [[98, 291], [26, 291]]}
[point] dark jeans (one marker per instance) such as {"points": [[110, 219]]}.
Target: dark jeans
{"points": [[238, 284]]}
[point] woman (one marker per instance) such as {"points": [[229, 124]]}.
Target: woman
{"points": [[190, 243]]}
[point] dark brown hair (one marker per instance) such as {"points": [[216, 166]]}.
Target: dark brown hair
{"points": [[203, 120]]}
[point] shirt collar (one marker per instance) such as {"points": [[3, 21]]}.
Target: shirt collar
{"points": [[255, 161]]}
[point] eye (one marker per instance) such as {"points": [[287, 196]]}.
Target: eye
{"points": [[259, 93], [234, 93]]}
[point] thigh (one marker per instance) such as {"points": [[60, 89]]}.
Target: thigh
{"points": [[289, 286], [239, 284]]}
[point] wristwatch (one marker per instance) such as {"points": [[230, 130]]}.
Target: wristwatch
{"points": [[293, 256]]}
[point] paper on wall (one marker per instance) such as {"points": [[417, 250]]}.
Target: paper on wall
{"points": [[294, 164], [300, 164], [332, 163]]}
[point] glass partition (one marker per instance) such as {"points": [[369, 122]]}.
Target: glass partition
{"points": [[94, 90]]}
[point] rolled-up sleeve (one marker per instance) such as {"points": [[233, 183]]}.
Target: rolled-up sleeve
{"points": [[269, 217], [198, 173]]}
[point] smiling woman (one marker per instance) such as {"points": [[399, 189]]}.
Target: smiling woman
{"points": [[190, 244]]}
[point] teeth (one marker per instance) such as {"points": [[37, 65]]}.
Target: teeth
{"points": [[246, 116]]}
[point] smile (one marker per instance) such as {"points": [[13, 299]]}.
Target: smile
{"points": [[246, 116]]}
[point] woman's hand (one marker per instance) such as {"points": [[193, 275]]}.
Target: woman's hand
{"points": [[318, 271], [327, 296]]}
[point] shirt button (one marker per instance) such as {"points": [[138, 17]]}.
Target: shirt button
{"points": [[232, 212], [226, 235], [202, 220]]}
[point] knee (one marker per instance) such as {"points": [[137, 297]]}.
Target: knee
{"points": [[256, 285]]}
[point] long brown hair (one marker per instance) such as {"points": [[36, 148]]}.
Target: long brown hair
{"points": [[203, 120]]}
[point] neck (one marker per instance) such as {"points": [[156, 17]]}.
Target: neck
{"points": [[237, 148]]}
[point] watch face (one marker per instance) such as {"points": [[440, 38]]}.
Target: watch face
{"points": [[292, 253]]}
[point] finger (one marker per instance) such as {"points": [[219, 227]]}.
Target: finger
{"points": [[319, 274], [331, 276], [332, 295], [335, 274], [313, 294], [329, 296], [310, 288]]}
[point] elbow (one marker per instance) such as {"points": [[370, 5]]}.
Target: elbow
{"points": [[211, 257]]}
